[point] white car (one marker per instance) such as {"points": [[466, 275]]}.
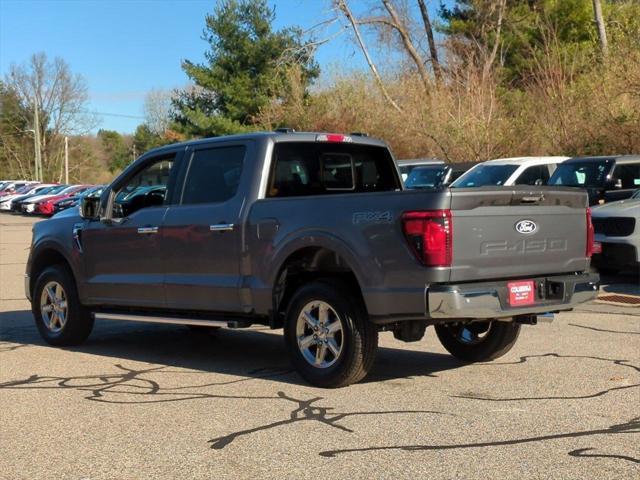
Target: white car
{"points": [[617, 228], [510, 171], [5, 202]]}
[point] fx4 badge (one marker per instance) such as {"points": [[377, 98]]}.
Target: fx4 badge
{"points": [[372, 217], [526, 227]]}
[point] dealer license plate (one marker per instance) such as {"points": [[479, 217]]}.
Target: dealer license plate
{"points": [[521, 293]]}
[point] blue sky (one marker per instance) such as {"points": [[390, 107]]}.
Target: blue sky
{"points": [[124, 48]]}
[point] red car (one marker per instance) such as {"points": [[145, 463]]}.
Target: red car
{"points": [[45, 207]]}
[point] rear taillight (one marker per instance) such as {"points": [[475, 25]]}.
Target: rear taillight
{"points": [[429, 234], [590, 235]]}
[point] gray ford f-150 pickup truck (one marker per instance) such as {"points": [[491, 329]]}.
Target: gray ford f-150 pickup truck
{"points": [[314, 233]]}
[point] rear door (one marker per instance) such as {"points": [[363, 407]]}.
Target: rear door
{"points": [[202, 233], [519, 232]]}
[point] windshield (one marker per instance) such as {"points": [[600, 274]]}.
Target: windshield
{"points": [[54, 190], [426, 177], [24, 189], [582, 174], [485, 175]]}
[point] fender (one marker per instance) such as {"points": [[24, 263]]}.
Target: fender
{"points": [[315, 238]]}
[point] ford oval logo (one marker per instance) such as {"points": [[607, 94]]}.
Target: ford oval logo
{"points": [[526, 227]]}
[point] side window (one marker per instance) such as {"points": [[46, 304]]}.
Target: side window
{"points": [[628, 174], [147, 188], [213, 175], [531, 175]]}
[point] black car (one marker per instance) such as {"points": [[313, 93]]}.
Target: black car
{"points": [[606, 178], [435, 175]]}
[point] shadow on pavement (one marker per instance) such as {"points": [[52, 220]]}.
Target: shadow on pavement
{"points": [[230, 352]]}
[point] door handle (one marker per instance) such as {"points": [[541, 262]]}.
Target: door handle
{"points": [[221, 227], [148, 230]]}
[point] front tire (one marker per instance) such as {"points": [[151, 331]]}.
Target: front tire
{"points": [[60, 317], [330, 339], [478, 341]]}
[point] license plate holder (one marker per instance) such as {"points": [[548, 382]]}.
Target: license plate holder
{"points": [[521, 293]]}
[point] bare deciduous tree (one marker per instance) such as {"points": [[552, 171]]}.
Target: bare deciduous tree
{"points": [[433, 50], [61, 99], [157, 110], [344, 8]]}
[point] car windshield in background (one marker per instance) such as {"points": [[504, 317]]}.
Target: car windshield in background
{"points": [[426, 177], [582, 174], [485, 175]]}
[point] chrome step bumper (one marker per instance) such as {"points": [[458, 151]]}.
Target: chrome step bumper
{"points": [[489, 299]]}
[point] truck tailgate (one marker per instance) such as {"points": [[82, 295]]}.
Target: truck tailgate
{"points": [[510, 232]]}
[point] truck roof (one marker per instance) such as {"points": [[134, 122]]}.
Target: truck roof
{"points": [[356, 138]]}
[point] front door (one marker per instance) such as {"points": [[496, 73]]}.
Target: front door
{"points": [[123, 258], [202, 233]]}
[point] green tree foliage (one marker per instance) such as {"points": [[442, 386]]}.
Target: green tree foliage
{"points": [[529, 27], [16, 148], [243, 69], [115, 148], [144, 139]]}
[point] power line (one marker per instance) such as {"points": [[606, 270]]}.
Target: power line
{"points": [[122, 115]]}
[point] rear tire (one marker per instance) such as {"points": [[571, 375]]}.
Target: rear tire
{"points": [[60, 317], [479, 341], [330, 340]]}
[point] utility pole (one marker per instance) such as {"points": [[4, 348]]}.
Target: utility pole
{"points": [[66, 160], [134, 152], [36, 135], [602, 32]]}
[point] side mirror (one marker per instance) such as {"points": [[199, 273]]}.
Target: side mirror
{"points": [[539, 182], [89, 207]]}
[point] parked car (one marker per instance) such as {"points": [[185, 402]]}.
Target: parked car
{"points": [[617, 228], [435, 175], [28, 206], [10, 187], [311, 232], [45, 206], [406, 166], [16, 203], [74, 200], [606, 178], [25, 191], [21, 206], [510, 171]]}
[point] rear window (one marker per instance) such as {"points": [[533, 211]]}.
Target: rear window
{"points": [[485, 175], [305, 168], [582, 174]]}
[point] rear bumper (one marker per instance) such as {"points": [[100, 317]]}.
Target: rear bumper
{"points": [[489, 299]]}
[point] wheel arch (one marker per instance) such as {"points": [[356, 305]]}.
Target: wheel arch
{"points": [[307, 263], [45, 256]]}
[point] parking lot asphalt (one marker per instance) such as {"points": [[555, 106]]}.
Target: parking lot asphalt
{"points": [[140, 401]]}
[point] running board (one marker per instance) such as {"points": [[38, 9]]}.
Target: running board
{"points": [[172, 320]]}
